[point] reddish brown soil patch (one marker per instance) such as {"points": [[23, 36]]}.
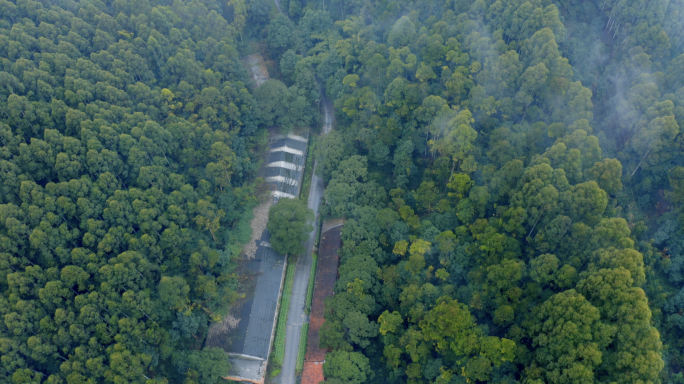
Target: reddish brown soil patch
{"points": [[326, 276], [313, 373]]}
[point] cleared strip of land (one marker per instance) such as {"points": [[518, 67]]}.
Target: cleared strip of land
{"points": [[247, 332], [297, 316]]}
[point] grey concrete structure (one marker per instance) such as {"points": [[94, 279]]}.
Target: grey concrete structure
{"points": [[284, 165], [248, 344], [253, 336]]}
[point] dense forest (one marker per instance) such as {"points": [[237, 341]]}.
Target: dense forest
{"points": [[510, 176], [127, 164], [509, 173]]}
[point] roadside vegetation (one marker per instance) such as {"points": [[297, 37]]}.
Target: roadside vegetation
{"points": [[312, 281], [308, 169], [281, 327], [509, 172], [301, 354]]}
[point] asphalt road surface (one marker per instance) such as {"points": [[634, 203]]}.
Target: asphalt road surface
{"points": [[296, 316]]}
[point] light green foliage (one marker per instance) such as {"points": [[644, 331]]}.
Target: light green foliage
{"points": [[610, 290], [460, 183], [569, 338], [416, 261], [451, 328], [390, 322]]}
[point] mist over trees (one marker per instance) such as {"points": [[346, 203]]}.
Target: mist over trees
{"points": [[509, 173]]}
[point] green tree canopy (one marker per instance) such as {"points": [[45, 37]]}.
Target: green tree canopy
{"points": [[289, 223]]}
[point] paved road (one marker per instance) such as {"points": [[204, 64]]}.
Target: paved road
{"points": [[296, 316]]}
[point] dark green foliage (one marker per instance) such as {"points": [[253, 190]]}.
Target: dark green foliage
{"points": [[289, 223], [509, 173], [287, 108], [259, 12], [126, 140], [348, 367], [206, 366], [280, 33]]}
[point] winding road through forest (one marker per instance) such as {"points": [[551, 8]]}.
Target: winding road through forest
{"points": [[296, 315]]}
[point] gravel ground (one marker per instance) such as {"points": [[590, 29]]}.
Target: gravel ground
{"points": [[224, 327], [259, 74], [257, 68], [258, 225]]}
